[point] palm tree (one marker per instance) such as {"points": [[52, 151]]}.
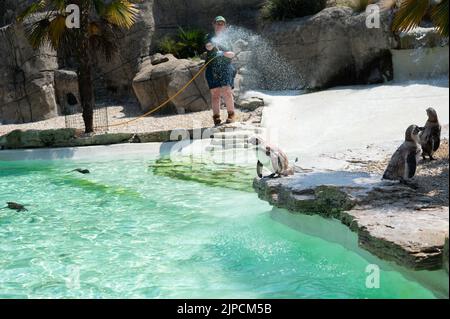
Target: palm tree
{"points": [[99, 22], [411, 12]]}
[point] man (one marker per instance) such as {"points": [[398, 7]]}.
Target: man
{"points": [[220, 73]]}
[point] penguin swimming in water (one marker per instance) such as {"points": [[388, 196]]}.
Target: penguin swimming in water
{"points": [[403, 164], [15, 206], [272, 158], [81, 171], [430, 138]]}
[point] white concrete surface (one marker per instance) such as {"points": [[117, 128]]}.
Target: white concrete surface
{"points": [[350, 118], [91, 153]]}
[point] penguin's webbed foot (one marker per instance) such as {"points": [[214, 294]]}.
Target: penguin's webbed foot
{"points": [[274, 175], [409, 184]]}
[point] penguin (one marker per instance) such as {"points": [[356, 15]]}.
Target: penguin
{"points": [[430, 138], [81, 171], [403, 164], [15, 206], [271, 157]]}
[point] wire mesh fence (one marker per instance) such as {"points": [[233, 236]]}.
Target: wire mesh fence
{"points": [[73, 114]]}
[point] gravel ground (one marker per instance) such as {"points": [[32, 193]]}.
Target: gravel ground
{"points": [[432, 176], [117, 114]]}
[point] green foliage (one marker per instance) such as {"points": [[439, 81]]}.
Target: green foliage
{"points": [[289, 9], [187, 43], [104, 18]]}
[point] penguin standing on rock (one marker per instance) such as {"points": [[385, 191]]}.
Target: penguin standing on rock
{"points": [[403, 164], [272, 158], [430, 138]]}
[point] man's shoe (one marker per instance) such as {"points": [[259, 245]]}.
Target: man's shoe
{"points": [[217, 120], [231, 118]]}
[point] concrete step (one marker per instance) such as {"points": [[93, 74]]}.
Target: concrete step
{"points": [[236, 134], [228, 141], [217, 148]]}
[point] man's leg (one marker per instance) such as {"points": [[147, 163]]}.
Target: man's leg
{"points": [[215, 100], [227, 93]]}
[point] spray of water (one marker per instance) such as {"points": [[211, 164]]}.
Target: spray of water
{"points": [[421, 52], [259, 65]]}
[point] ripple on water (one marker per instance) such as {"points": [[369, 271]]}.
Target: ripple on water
{"points": [[124, 232]]}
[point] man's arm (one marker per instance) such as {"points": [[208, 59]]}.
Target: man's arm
{"points": [[229, 54]]}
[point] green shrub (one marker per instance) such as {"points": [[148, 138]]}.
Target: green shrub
{"points": [[187, 43], [289, 9], [168, 45]]}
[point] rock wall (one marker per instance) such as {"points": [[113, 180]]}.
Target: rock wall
{"points": [[10, 8], [26, 82], [134, 45], [169, 14], [334, 47]]}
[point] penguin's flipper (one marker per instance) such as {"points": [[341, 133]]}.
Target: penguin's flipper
{"points": [[280, 164], [259, 169], [275, 161], [436, 143], [411, 163]]}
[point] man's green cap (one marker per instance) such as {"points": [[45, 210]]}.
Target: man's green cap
{"points": [[220, 19]]}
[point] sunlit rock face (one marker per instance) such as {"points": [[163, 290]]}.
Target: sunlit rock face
{"points": [[26, 78], [334, 47], [154, 84], [391, 220]]}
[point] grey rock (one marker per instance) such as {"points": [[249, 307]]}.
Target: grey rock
{"points": [[250, 104], [26, 82], [158, 58], [391, 220], [170, 14], [134, 45], [155, 84], [331, 48], [37, 139], [67, 93], [420, 38]]}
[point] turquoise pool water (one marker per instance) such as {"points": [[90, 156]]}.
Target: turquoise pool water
{"points": [[123, 232]]}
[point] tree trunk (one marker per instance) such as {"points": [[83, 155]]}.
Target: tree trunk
{"points": [[85, 85], [85, 81]]}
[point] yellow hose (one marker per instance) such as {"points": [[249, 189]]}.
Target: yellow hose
{"points": [[164, 103]]}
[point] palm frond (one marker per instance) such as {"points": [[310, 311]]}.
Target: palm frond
{"points": [[440, 16], [410, 14], [38, 32], [56, 30], [31, 9], [121, 13]]}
